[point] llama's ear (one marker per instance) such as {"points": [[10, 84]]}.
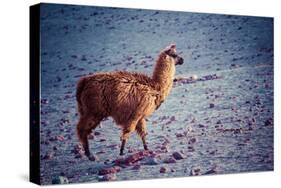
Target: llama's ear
{"points": [[170, 49], [172, 46]]}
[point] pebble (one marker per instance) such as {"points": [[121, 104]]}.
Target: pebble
{"points": [[163, 170], [192, 141], [170, 160], [113, 146], [195, 172], [131, 159], [60, 180], [44, 101], [173, 118], [178, 156], [268, 122], [102, 140], [179, 135], [107, 177], [136, 167], [190, 149], [60, 138], [96, 133], [151, 161], [211, 171], [164, 149], [111, 170], [201, 125], [219, 122], [212, 105]]}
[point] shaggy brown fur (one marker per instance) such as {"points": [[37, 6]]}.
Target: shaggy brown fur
{"points": [[127, 97]]}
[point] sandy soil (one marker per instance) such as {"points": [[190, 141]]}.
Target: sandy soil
{"points": [[221, 123]]}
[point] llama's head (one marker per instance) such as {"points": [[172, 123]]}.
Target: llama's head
{"points": [[172, 56]]}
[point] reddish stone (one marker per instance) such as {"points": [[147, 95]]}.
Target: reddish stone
{"points": [[111, 170], [163, 170], [134, 158]]}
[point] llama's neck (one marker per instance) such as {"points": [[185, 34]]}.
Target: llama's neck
{"points": [[163, 76]]}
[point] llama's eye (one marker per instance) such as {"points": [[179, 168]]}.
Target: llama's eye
{"points": [[174, 55]]}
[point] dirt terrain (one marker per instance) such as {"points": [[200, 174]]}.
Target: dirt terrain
{"points": [[221, 122]]}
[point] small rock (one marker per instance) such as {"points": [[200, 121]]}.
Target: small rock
{"points": [[193, 120], [268, 122], [190, 149], [210, 172], [201, 125], [170, 160], [136, 167], [195, 172], [179, 135], [151, 161], [133, 158], [97, 133], [212, 105], [60, 180], [83, 58], [163, 170], [178, 156], [164, 149], [192, 141], [60, 138], [194, 77], [44, 101], [107, 177], [111, 170], [113, 146], [172, 118], [102, 140], [219, 122]]}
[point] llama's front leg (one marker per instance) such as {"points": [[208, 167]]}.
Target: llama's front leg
{"points": [[122, 146], [125, 136], [144, 143], [141, 130]]}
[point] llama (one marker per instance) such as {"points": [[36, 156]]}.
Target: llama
{"points": [[129, 98]]}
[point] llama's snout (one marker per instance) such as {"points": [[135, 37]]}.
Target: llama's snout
{"points": [[179, 61]]}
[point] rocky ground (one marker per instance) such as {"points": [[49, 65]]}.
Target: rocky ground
{"points": [[218, 118]]}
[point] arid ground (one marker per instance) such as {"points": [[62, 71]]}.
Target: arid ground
{"points": [[220, 123]]}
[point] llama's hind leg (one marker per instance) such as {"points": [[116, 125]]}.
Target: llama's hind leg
{"points": [[84, 128], [141, 130], [126, 133]]}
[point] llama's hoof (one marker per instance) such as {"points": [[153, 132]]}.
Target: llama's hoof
{"points": [[121, 153], [145, 147]]}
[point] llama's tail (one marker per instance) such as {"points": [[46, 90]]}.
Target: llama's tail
{"points": [[80, 87]]}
